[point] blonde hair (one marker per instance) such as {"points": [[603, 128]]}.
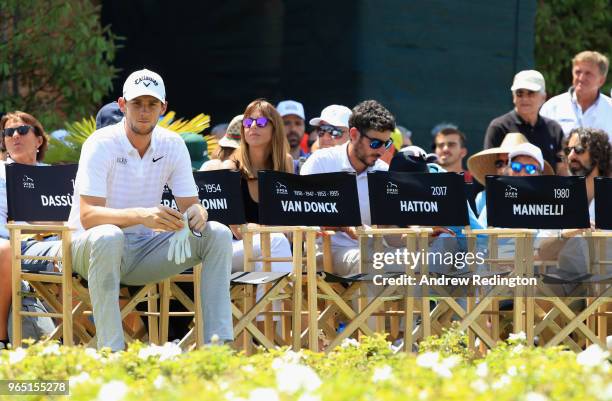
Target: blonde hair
{"points": [[594, 57], [277, 159]]}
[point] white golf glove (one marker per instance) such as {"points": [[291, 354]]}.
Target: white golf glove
{"points": [[179, 247]]}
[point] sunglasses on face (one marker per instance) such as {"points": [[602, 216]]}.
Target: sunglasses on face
{"points": [[21, 130], [260, 122], [530, 169], [499, 163], [577, 149], [335, 132], [377, 143]]}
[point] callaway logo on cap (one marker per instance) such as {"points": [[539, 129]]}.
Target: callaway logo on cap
{"points": [[144, 82]]}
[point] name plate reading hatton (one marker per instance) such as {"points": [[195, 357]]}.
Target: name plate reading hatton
{"points": [[398, 198]]}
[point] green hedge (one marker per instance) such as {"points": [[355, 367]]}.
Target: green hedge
{"points": [[369, 370]]}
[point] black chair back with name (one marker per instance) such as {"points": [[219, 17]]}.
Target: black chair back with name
{"points": [[399, 198], [39, 193], [219, 192], [328, 199], [542, 202], [603, 194]]}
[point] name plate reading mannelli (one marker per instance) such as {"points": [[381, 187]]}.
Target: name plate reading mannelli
{"points": [[310, 200], [603, 194], [398, 198], [542, 202]]}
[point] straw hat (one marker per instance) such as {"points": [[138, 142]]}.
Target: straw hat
{"points": [[483, 163]]}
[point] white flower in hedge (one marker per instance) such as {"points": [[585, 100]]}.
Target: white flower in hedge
{"points": [[309, 397], [532, 396], [349, 342], [159, 382], [443, 369], [114, 390], [482, 370], [264, 394], [480, 385], [51, 349], [92, 353], [78, 379], [292, 377], [593, 356], [164, 352], [248, 368], [503, 381], [382, 373], [17, 356], [428, 359], [512, 371], [609, 342]]}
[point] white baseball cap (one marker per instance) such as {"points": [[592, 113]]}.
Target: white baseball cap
{"points": [[287, 107], [144, 82], [335, 114], [529, 79], [527, 149]]}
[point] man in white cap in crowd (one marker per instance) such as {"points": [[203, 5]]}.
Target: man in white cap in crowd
{"points": [[122, 233], [528, 95], [332, 126], [583, 105], [293, 116]]}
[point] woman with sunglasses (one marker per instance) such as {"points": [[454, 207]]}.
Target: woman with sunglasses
{"points": [[263, 146], [25, 142]]}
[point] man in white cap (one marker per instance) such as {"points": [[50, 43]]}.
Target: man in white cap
{"points": [[583, 105], [293, 116], [122, 233], [525, 159], [332, 126], [528, 95]]}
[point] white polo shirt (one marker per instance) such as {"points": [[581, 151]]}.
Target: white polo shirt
{"points": [[110, 167], [565, 110], [333, 160]]}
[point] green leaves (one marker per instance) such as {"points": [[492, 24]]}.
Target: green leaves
{"points": [[57, 60], [563, 29]]}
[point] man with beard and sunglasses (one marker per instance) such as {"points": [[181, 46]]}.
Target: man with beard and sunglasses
{"points": [[371, 125], [588, 155], [122, 233]]}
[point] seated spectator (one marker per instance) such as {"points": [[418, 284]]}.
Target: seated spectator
{"points": [[332, 126], [227, 145], [294, 118], [108, 114], [528, 95], [26, 143], [449, 146], [219, 130], [263, 146]]}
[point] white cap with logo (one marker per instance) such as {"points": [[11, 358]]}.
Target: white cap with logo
{"points": [[144, 82], [527, 149], [335, 115], [529, 79], [287, 107]]}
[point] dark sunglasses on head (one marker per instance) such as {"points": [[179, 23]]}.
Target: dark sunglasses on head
{"points": [[377, 143], [577, 149], [260, 122], [21, 130], [335, 132], [530, 169], [499, 163]]}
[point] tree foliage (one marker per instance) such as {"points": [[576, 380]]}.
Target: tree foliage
{"points": [[565, 28], [55, 59]]}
